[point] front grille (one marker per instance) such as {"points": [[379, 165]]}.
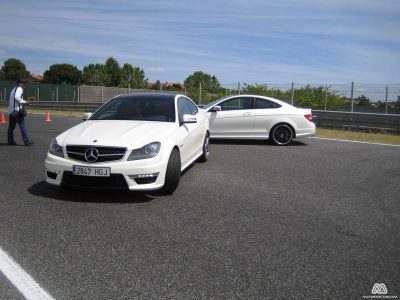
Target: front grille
{"points": [[105, 153], [115, 181]]}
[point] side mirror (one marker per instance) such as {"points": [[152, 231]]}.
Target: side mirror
{"points": [[86, 116], [189, 119], [216, 108]]}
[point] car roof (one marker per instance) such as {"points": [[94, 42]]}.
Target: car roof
{"points": [[281, 102], [155, 96]]}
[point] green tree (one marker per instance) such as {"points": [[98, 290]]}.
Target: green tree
{"points": [[111, 74], [114, 71], [208, 82], [133, 77], [308, 96], [264, 90], [363, 101], [13, 69], [314, 97], [194, 94], [96, 74], [63, 74]]}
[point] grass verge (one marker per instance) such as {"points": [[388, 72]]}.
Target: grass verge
{"points": [[359, 136]]}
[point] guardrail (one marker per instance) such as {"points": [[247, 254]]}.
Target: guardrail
{"points": [[324, 119], [357, 121]]}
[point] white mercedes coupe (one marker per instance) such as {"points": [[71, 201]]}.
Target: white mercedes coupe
{"points": [[134, 141], [258, 117]]}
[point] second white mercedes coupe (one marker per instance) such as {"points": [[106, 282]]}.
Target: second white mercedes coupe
{"points": [[258, 117], [134, 141]]}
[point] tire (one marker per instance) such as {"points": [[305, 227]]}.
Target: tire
{"points": [[282, 135], [206, 149], [173, 173]]}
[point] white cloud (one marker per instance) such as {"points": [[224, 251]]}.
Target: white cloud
{"points": [[157, 69], [235, 40]]}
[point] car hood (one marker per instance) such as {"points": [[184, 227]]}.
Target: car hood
{"points": [[130, 134]]}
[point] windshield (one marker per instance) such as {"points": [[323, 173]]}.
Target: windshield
{"points": [[137, 109]]}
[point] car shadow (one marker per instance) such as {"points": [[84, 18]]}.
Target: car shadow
{"points": [[253, 142], [72, 194]]}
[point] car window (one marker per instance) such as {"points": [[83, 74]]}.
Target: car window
{"points": [[193, 107], [137, 109], [237, 103], [264, 103], [183, 108]]}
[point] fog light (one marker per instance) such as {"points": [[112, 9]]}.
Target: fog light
{"points": [[52, 174], [144, 178], [144, 175]]}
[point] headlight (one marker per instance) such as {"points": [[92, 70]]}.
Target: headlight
{"points": [[147, 151], [56, 149]]}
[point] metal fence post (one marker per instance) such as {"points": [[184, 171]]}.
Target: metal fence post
{"points": [[386, 104], [239, 88], [200, 93], [352, 96], [57, 93], [326, 97], [292, 96]]}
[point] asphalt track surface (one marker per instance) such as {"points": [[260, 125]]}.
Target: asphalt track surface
{"points": [[318, 219]]}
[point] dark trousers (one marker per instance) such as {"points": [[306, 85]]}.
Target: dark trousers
{"points": [[13, 121]]}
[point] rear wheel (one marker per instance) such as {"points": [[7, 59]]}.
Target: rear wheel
{"points": [[282, 134], [206, 148], [173, 173]]}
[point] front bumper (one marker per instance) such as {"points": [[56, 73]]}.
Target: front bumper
{"points": [[124, 174]]}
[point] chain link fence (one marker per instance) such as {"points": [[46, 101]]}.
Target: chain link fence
{"points": [[349, 97]]}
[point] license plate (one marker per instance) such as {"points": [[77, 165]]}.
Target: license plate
{"points": [[91, 171]]}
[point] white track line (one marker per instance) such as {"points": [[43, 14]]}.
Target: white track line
{"points": [[357, 142], [28, 287]]}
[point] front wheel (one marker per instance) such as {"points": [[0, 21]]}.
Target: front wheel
{"points": [[206, 149], [282, 135], [173, 173]]}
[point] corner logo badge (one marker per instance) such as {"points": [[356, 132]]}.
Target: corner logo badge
{"points": [[379, 289]]}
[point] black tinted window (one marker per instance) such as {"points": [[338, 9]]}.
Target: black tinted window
{"points": [[193, 107], [137, 109], [183, 108], [264, 103], [237, 103]]}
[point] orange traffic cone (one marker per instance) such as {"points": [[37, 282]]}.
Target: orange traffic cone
{"points": [[48, 119], [3, 119]]}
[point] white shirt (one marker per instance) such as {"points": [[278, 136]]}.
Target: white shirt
{"points": [[16, 94]]}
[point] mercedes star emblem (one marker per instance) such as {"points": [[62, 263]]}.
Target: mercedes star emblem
{"points": [[91, 154]]}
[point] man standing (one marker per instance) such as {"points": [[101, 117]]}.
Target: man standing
{"points": [[15, 103]]}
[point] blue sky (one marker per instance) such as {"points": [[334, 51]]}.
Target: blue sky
{"points": [[252, 41]]}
